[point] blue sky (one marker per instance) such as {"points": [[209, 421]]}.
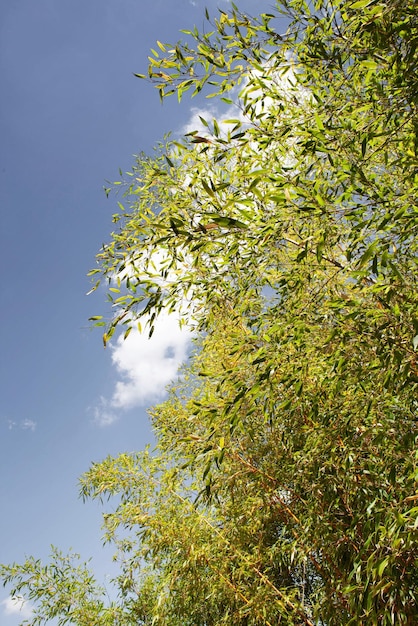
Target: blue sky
{"points": [[71, 115]]}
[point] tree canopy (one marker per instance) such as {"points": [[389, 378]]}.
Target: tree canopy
{"points": [[283, 488]]}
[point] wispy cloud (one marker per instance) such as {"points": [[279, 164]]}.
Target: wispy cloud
{"points": [[144, 366], [103, 413], [25, 424], [16, 605]]}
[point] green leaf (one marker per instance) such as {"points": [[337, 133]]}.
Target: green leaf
{"points": [[207, 188], [361, 4]]}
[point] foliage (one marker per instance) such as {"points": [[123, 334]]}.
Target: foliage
{"points": [[284, 484]]}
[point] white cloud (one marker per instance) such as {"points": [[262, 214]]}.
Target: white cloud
{"points": [[208, 113], [149, 364], [145, 366], [17, 605], [194, 122]]}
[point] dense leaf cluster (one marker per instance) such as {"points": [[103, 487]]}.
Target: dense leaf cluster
{"points": [[284, 484]]}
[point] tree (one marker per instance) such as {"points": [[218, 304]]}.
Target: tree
{"points": [[284, 483]]}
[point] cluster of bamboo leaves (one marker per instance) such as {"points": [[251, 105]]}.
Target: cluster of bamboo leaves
{"points": [[283, 488]]}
